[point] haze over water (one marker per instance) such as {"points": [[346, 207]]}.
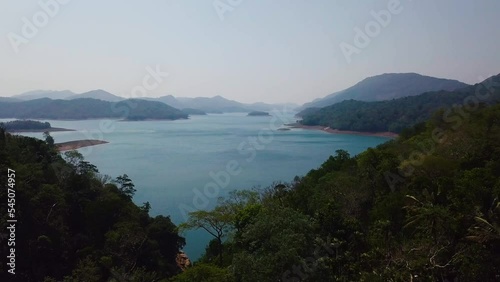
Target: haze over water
{"points": [[166, 160]]}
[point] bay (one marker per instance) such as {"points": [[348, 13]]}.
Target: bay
{"points": [[181, 165]]}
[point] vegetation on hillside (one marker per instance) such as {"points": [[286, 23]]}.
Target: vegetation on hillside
{"points": [[74, 224], [423, 207], [87, 108], [24, 125], [398, 114], [388, 86]]}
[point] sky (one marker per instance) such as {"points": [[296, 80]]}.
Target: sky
{"points": [[245, 50]]}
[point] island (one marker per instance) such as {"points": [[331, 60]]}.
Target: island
{"points": [[258, 113], [30, 126]]}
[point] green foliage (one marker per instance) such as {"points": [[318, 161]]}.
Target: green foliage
{"points": [[125, 186], [16, 125], [204, 273], [398, 114], [74, 225], [49, 139], [417, 208], [216, 222]]}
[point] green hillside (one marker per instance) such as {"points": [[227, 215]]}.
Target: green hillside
{"points": [[423, 207], [397, 114], [74, 224], [87, 108], [388, 86]]}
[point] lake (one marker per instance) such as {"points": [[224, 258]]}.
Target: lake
{"points": [[182, 165]]}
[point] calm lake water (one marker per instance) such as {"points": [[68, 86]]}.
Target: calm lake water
{"points": [[182, 165]]}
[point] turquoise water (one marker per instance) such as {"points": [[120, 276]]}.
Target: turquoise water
{"points": [[171, 162]]}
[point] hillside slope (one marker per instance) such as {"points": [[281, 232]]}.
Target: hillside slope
{"points": [[386, 87], [97, 94], [86, 108], [397, 114], [422, 207]]}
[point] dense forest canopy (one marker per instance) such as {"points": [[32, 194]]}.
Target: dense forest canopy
{"points": [[74, 224], [397, 114], [24, 125], [423, 207]]}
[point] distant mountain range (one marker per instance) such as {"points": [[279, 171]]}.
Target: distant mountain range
{"points": [[215, 104], [386, 87], [397, 114], [87, 108], [37, 94], [9, 99], [97, 94], [219, 104], [377, 88]]}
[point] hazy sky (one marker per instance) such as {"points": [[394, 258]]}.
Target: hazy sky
{"points": [[250, 50]]}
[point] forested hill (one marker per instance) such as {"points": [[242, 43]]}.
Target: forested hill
{"points": [[74, 224], [423, 207], [20, 125], [386, 87], [397, 114], [87, 108]]}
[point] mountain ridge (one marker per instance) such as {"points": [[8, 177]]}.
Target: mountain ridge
{"points": [[396, 114], [387, 86], [215, 104], [87, 108]]}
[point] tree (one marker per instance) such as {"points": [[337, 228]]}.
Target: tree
{"points": [[125, 185], [49, 139], [217, 222]]}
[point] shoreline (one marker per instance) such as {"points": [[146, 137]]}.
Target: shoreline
{"points": [[337, 131], [77, 144], [52, 129]]}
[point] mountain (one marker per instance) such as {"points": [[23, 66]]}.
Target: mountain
{"points": [[171, 101], [9, 99], [397, 114], [97, 94], [86, 108], [219, 104], [386, 87], [214, 104], [37, 94]]}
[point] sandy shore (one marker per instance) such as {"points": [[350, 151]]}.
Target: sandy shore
{"points": [[73, 145], [336, 131], [52, 129]]}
